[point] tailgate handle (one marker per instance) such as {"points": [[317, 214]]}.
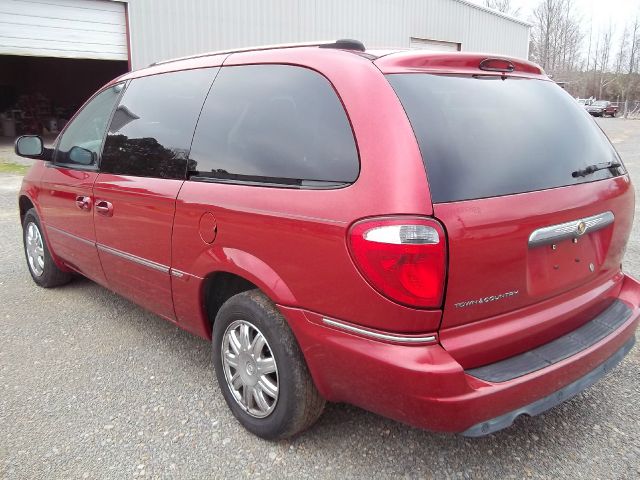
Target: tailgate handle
{"points": [[572, 229]]}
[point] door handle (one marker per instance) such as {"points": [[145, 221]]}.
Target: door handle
{"points": [[83, 203], [104, 208]]}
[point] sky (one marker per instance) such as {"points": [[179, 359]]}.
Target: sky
{"points": [[601, 11]]}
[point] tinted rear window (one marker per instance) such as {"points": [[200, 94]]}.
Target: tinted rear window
{"points": [[485, 137], [276, 124]]}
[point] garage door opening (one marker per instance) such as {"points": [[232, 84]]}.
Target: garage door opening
{"points": [[38, 95], [53, 55]]}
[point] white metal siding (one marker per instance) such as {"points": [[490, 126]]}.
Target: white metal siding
{"points": [[162, 29], [63, 28], [435, 45]]}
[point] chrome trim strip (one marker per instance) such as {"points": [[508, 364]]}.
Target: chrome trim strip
{"points": [[572, 229], [70, 235], [180, 274], [133, 258], [127, 256], [376, 335]]}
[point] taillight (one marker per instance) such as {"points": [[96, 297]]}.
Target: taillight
{"points": [[497, 65], [403, 258]]}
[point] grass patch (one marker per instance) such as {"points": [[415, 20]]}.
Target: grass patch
{"points": [[7, 167]]}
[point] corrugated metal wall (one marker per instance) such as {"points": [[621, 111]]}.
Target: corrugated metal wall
{"points": [[63, 28], [162, 29]]}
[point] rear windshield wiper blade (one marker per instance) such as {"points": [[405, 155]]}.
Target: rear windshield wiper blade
{"points": [[594, 168]]}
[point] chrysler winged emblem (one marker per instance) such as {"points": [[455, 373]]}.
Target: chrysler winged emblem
{"points": [[568, 230]]}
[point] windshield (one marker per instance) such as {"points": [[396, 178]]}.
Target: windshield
{"points": [[487, 136]]}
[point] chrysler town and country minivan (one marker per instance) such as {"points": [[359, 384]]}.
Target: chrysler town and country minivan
{"points": [[434, 237]]}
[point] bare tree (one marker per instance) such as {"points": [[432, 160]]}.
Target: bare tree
{"points": [[621, 58], [604, 63], [605, 52], [503, 6], [545, 22], [590, 41], [557, 36], [634, 48], [626, 78]]}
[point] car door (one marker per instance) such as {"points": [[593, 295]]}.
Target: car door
{"points": [[66, 198], [263, 130], [142, 169]]}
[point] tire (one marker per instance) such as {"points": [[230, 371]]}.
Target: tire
{"points": [[297, 404], [42, 268]]}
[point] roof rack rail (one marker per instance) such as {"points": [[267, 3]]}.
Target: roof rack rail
{"points": [[344, 44]]}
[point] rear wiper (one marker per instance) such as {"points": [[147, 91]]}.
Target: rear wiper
{"points": [[594, 168]]}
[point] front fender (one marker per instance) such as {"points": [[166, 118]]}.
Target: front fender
{"points": [[30, 187]]}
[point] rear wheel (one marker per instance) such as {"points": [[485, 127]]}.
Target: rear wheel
{"points": [[42, 268], [260, 368]]}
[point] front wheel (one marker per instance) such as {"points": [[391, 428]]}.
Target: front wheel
{"points": [[261, 370], [42, 268]]}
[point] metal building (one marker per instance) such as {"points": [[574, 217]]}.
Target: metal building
{"points": [[161, 29], [151, 30], [55, 53]]}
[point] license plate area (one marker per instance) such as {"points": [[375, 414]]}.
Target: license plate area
{"points": [[568, 255]]}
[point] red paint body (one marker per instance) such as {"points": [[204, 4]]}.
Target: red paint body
{"points": [[292, 244]]}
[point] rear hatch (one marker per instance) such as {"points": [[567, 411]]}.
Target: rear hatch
{"points": [[510, 162]]}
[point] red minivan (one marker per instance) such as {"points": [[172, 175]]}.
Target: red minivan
{"points": [[434, 237]]}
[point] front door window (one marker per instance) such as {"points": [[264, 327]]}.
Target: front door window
{"points": [[81, 141]]}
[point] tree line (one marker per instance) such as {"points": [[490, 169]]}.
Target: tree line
{"points": [[589, 63]]}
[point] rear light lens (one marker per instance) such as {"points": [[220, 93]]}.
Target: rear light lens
{"points": [[402, 258], [497, 65]]}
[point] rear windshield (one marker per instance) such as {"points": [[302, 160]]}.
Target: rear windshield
{"points": [[487, 136]]}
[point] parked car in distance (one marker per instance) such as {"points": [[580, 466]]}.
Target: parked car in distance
{"points": [[396, 231], [602, 108]]}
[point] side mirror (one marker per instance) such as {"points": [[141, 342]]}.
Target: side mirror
{"points": [[81, 156], [29, 146]]}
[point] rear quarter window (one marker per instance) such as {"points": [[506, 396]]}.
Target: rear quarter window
{"points": [[276, 124], [487, 136]]}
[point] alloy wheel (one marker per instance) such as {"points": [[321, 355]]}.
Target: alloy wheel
{"points": [[35, 249], [250, 368]]}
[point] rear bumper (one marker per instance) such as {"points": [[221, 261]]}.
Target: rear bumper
{"points": [[425, 387], [550, 401]]}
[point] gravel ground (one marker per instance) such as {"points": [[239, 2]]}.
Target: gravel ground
{"points": [[94, 387]]}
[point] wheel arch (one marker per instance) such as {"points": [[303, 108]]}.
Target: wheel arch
{"points": [[240, 272], [217, 288], [203, 282], [24, 204]]}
